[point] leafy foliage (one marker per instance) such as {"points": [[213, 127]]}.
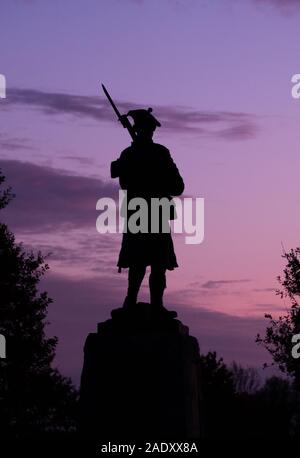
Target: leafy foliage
{"points": [[278, 336], [34, 397]]}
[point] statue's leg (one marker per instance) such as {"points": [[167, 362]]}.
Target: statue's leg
{"points": [[135, 278], [157, 285]]}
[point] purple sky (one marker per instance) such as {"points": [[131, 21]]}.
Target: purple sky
{"points": [[217, 74]]}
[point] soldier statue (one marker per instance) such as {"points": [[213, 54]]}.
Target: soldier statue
{"points": [[146, 170]]}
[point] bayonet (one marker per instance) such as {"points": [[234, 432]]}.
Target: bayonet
{"points": [[122, 118]]}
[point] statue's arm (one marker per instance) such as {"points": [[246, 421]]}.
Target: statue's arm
{"points": [[174, 180], [117, 167]]}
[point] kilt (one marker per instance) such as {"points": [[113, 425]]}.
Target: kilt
{"points": [[147, 249]]}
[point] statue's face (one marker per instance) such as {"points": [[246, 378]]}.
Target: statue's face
{"points": [[144, 132]]}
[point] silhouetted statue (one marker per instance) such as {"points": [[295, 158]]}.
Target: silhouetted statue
{"points": [[146, 170], [141, 376]]}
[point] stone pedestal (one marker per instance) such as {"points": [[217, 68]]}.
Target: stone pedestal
{"points": [[140, 378]]}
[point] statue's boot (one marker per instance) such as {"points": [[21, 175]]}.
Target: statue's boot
{"points": [[157, 285], [135, 278], [129, 302]]}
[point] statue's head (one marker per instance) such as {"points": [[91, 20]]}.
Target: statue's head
{"points": [[144, 123]]}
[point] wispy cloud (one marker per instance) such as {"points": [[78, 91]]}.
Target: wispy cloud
{"points": [[262, 290], [214, 284], [282, 4], [219, 124], [14, 143], [80, 160], [269, 307], [48, 198], [239, 131]]}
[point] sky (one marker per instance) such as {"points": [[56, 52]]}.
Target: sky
{"points": [[218, 77]]}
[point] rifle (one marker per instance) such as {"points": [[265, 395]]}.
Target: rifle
{"points": [[122, 118]]}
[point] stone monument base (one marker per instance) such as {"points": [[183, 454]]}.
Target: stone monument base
{"points": [[140, 378]]}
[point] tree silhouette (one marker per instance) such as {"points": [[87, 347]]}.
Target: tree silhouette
{"points": [[278, 336], [238, 406], [34, 398], [245, 379], [218, 395], [279, 408]]}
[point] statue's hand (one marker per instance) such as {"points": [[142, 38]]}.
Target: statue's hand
{"points": [[124, 121]]}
